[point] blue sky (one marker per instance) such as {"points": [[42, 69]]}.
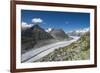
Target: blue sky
{"points": [[68, 21]]}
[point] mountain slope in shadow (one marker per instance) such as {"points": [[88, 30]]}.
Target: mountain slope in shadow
{"points": [[35, 37], [30, 37]]}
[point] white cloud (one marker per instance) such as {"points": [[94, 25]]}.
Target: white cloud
{"points": [[24, 25], [37, 20]]}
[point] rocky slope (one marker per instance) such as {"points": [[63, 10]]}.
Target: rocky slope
{"points": [[35, 37], [30, 37], [58, 34], [79, 50]]}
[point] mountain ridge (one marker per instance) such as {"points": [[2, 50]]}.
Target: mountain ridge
{"points": [[31, 36], [79, 32], [35, 35]]}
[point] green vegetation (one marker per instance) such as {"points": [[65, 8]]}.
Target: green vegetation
{"points": [[79, 50]]}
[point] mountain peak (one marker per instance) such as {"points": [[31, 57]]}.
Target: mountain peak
{"points": [[49, 29], [58, 34], [35, 26]]}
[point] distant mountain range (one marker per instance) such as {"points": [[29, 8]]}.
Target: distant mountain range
{"points": [[31, 36], [78, 32]]}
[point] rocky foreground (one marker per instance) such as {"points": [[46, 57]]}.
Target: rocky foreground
{"points": [[78, 50]]}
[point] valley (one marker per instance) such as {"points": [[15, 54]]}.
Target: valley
{"points": [[38, 53], [78, 50], [55, 45]]}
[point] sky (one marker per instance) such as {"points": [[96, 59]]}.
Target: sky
{"points": [[68, 21]]}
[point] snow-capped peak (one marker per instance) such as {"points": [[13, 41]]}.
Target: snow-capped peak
{"points": [[82, 30], [48, 30], [78, 32]]}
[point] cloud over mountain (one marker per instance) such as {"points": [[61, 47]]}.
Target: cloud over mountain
{"points": [[24, 25]]}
